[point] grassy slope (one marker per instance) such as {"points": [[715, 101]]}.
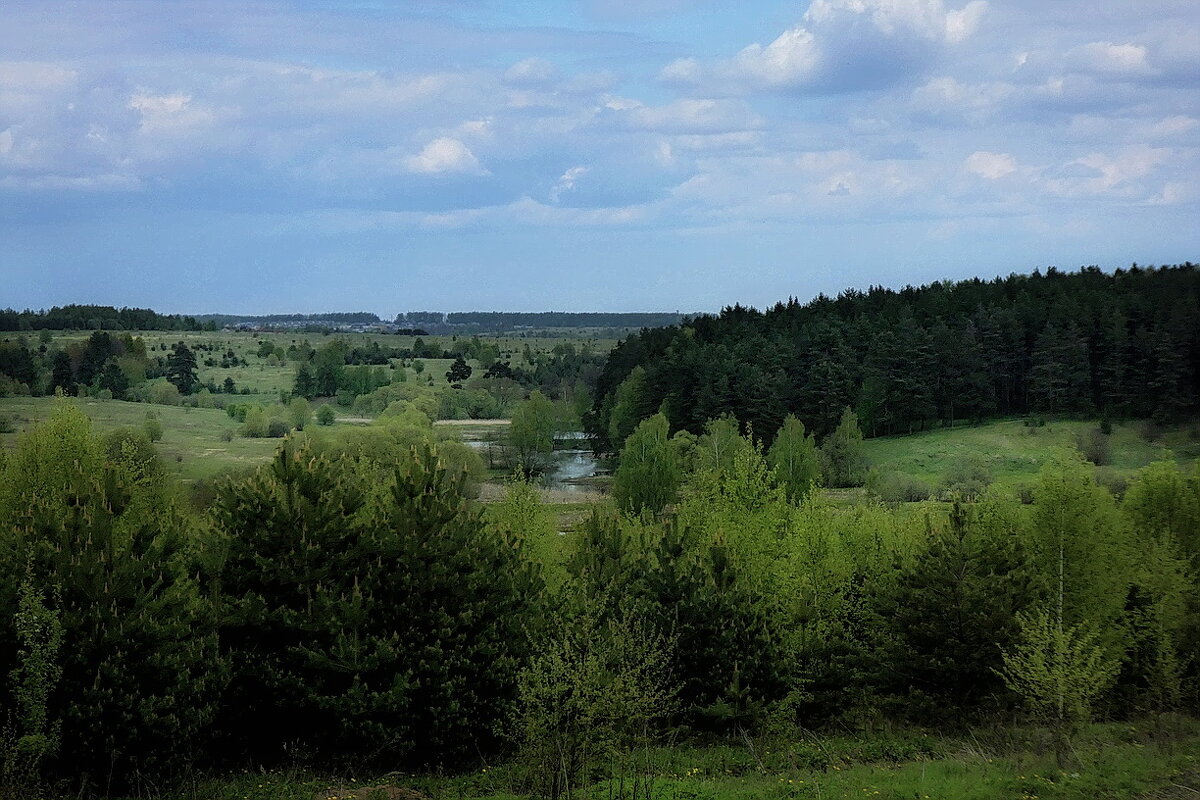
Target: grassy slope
{"points": [[191, 445], [1014, 453]]}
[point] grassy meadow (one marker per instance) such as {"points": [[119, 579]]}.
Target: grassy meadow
{"points": [[1013, 452]]}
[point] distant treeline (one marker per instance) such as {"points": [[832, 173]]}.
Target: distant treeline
{"points": [[336, 317], [559, 319], [108, 318], [436, 322], [1120, 344]]}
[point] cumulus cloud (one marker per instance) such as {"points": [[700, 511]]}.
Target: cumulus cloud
{"points": [[1113, 59], [843, 45], [531, 72], [444, 156], [991, 166], [567, 181]]}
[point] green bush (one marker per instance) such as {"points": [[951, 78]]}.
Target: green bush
{"points": [[897, 487], [153, 427]]}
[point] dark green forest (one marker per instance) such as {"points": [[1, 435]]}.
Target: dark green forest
{"points": [[1122, 344], [85, 317]]}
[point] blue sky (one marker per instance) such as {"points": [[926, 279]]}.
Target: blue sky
{"points": [[592, 155]]}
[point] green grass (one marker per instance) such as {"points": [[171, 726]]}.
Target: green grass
{"points": [[191, 447], [1015, 453], [1115, 761], [265, 381]]}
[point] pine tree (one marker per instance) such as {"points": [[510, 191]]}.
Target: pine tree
{"points": [[181, 368], [949, 614]]}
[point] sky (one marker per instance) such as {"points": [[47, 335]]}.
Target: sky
{"points": [[583, 155]]}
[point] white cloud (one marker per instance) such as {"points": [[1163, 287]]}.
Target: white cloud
{"points": [[531, 72], [1112, 59], [843, 44], [1130, 172], [991, 166], [566, 182], [688, 116], [944, 96], [444, 155]]}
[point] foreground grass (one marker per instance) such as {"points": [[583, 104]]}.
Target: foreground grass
{"points": [[1114, 761]]}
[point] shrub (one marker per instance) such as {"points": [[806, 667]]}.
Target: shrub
{"points": [[152, 427], [592, 696], [165, 394], [300, 413], [277, 428], [1112, 480], [255, 424], [968, 478], [325, 415], [1095, 446], [897, 487]]}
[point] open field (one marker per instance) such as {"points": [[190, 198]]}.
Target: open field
{"points": [[1116, 761], [1014, 453], [192, 445], [265, 378]]}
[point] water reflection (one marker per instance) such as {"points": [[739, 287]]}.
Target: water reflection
{"points": [[569, 464]]}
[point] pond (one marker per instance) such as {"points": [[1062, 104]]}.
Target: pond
{"points": [[569, 464]]}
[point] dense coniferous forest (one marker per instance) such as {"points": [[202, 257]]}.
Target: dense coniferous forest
{"points": [[84, 317], [1125, 344]]}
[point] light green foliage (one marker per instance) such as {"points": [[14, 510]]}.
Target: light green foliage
{"points": [[523, 516], [843, 455], [325, 415], [718, 446], [530, 436], [967, 478], [300, 413], [894, 487], [648, 475], [153, 427], [165, 394], [590, 702], [1161, 503], [392, 439], [795, 459], [1082, 549], [1058, 671], [256, 425]]}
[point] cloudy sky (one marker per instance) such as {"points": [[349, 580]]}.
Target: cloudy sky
{"points": [[583, 154]]}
